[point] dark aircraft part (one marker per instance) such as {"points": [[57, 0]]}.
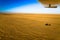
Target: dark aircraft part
{"points": [[50, 6]]}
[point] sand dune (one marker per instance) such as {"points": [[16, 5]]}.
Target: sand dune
{"points": [[29, 27]]}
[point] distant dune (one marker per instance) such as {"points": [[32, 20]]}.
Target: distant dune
{"points": [[29, 26]]}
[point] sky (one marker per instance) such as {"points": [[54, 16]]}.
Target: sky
{"points": [[26, 6]]}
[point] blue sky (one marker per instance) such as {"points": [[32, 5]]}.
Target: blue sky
{"points": [[8, 4], [25, 6]]}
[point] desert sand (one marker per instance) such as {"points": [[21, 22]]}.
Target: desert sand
{"points": [[29, 26]]}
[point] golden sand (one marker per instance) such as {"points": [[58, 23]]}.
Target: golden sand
{"points": [[29, 27]]}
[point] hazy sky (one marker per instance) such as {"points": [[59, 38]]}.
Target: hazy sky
{"points": [[25, 6]]}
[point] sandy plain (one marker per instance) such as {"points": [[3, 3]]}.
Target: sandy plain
{"points": [[29, 27]]}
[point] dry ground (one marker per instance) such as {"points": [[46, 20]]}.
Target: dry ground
{"points": [[29, 27]]}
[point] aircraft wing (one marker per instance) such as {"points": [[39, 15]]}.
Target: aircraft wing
{"points": [[50, 3]]}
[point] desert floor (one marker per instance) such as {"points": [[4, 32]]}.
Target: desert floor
{"points": [[29, 26]]}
